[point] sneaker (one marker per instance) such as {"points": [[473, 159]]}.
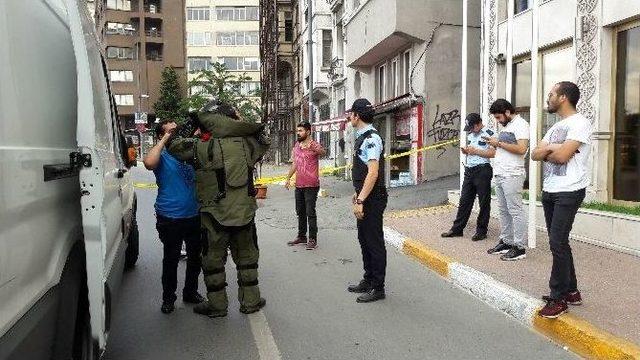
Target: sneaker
{"points": [[312, 244], [251, 310], [167, 307], [298, 240], [204, 309], [514, 254], [500, 248], [194, 298], [572, 298], [553, 309], [371, 296], [362, 287], [478, 237], [450, 234]]}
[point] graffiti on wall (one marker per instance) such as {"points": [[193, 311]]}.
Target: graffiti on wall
{"points": [[445, 127]]}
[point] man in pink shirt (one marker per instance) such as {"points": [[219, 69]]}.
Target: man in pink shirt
{"points": [[305, 165]]}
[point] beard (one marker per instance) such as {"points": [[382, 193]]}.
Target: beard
{"points": [[301, 138], [551, 109]]}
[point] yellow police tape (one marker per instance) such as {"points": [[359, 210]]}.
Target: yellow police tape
{"points": [[327, 170]]}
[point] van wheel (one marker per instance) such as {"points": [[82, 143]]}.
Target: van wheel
{"points": [[83, 344], [133, 247]]}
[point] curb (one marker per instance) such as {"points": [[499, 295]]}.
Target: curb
{"points": [[576, 334]]}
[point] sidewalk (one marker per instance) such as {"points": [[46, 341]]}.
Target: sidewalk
{"points": [[609, 281]]}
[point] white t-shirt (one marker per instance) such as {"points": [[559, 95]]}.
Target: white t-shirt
{"points": [[506, 163], [574, 175]]}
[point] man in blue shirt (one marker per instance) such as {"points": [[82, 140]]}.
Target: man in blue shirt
{"points": [[369, 201], [178, 219], [477, 179]]}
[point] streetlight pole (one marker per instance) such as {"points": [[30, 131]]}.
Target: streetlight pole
{"points": [[310, 56]]}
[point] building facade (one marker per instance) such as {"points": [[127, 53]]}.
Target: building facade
{"points": [[140, 38], [224, 31], [594, 43], [279, 59], [406, 59]]}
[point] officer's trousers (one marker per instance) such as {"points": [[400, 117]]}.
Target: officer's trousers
{"points": [[371, 238], [477, 181], [243, 243]]}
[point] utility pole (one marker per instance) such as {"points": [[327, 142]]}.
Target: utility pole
{"points": [[310, 56]]}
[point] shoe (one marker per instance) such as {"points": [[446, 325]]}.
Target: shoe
{"points": [[553, 309], [167, 307], [572, 298], [361, 288], [204, 309], [478, 237], [514, 254], [251, 310], [298, 240], [500, 248], [194, 298], [450, 234], [312, 244], [371, 296]]}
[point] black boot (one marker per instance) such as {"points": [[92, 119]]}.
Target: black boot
{"points": [[362, 287], [371, 296], [167, 307], [251, 310]]}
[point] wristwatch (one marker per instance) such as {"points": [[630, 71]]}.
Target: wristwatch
{"points": [[359, 202]]}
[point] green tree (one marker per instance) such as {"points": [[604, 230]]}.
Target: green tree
{"points": [[217, 83], [170, 105]]}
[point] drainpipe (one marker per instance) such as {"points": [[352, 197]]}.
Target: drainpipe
{"points": [[533, 126], [463, 105]]}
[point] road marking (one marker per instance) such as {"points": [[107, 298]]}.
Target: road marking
{"points": [[267, 348]]}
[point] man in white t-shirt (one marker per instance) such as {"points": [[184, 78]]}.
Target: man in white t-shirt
{"points": [[509, 173], [565, 151]]}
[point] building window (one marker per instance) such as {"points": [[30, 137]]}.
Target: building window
{"points": [[119, 29], [121, 75], [119, 53], [198, 13], [199, 39], [124, 5], [238, 13], [394, 78], [288, 26], [626, 172], [327, 47], [124, 100], [251, 64], [381, 93], [239, 63], [521, 95], [325, 111], [199, 63], [521, 5], [237, 38], [250, 88], [557, 66], [324, 138], [407, 72]]}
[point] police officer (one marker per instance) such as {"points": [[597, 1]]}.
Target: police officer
{"points": [[477, 179], [224, 182], [369, 201]]}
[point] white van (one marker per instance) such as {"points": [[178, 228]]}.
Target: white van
{"points": [[67, 203]]}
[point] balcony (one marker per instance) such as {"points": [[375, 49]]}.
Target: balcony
{"points": [[336, 71]]}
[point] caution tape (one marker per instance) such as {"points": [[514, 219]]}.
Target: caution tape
{"points": [[329, 170]]}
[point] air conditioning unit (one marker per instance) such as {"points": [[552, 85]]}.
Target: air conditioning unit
{"points": [[152, 9]]}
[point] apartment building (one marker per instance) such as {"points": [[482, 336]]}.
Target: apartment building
{"points": [[224, 31], [405, 57], [279, 59], [140, 39]]}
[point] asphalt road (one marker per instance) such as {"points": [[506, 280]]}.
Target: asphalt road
{"points": [[309, 314]]}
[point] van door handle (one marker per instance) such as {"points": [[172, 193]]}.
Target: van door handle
{"points": [[121, 173]]}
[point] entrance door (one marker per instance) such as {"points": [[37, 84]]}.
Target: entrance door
{"points": [[626, 175]]}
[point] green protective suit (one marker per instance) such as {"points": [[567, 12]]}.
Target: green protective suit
{"points": [[224, 181]]}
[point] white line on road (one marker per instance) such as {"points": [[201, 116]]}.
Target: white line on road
{"points": [[267, 348]]}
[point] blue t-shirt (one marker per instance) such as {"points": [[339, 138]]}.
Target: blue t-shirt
{"points": [[176, 188], [371, 147], [478, 142]]}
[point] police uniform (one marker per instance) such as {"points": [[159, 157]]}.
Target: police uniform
{"points": [[477, 181], [224, 186], [369, 146]]}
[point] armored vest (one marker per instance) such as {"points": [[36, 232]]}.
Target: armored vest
{"points": [[359, 169]]}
